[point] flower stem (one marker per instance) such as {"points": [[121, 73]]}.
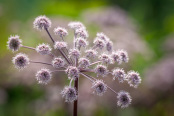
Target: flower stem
{"points": [[76, 101], [40, 62], [49, 35]]}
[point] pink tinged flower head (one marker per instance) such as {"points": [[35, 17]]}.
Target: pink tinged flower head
{"points": [[124, 99], [43, 76], [116, 57], [74, 53], [124, 55], [101, 70], [43, 49], [76, 25], [62, 32], [58, 62], [133, 79], [82, 33], [99, 87], [119, 74], [73, 72], [91, 53], [60, 45], [42, 22], [20, 61], [84, 62], [109, 46], [102, 36], [69, 93], [14, 43], [99, 43], [81, 42], [105, 58]]}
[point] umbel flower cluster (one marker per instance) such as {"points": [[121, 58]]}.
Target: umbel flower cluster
{"points": [[79, 60]]}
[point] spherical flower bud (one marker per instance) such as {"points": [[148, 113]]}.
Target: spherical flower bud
{"points": [[69, 93], [109, 46], [124, 99], [102, 36], [74, 53], [43, 49], [73, 72], [116, 57], [99, 43], [119, 73], [20, 60], [81, 42], [99, 87], [101, 70], [60, 45], [91, 53], [105, 58], [76, 25], [124, 55], [60, 31], [84, 62], [133, 79], [43, 76], [14, 43], [58, 62], [82, 33], [42, 22]]}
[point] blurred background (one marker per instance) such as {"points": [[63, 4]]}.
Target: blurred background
{"points": [[145, 28]]}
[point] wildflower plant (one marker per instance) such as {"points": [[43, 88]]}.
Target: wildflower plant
{"points": [[74, 63]]}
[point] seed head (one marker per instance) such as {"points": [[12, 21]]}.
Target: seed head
{"points": [[124, 55], [58, 62], [82, 33], [119, 73], [133, 79], [60, 45], [84, 62], [69, 93], [73, 72], [14, 43], [91, 53], [60, 31], [101, 70], [105, 58], [43, 76], [99, 43], [81, 42], [76, 25], [43, 49], [109, 46], [20, 61], [99, 87], [74, 53], [42, 22], [124, 99], [102, 36], [116, 57]]}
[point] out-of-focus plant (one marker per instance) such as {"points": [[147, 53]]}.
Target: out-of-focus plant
{"points": [[74, 64]]}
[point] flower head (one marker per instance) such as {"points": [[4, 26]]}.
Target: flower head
{"points": [[81, 42], [102, 36], [73, 72], [82, 33], [43, 76], [101, 70], [74, 53], [91, 53], [84, 62], [109, 46], [105, 58], [43, 49], [99, 87], [42, 22], [60, 31], [14, 43], [60, 45], [69, 93], [99, 43], [58, 62], [76, 25], [133, 79], [20, 61], [124, 99], [124, 55], [119, 73], [116, 57]]}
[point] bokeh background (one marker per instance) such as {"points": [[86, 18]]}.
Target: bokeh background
{"points": [[145, 28]]}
